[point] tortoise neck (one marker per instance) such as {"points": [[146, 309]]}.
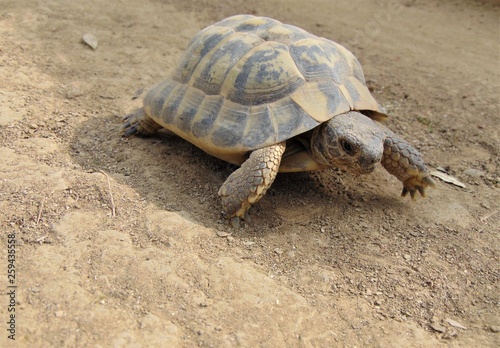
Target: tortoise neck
{"points": [[317, 145]]}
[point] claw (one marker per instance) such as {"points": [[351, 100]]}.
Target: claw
{"points": [[417, 184], [130, 131], [235, 222], [421, 190], [405, 192], [429, 181], [247, 217], [413, 194]]}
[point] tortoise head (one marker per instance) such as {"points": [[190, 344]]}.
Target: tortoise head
{"points": [[350, 141]]}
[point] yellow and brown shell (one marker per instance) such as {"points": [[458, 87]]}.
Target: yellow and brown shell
{"points": [[249, 82]]}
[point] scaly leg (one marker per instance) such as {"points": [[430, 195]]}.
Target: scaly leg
{"points": [[405, 162], [248, 184], [138, 122]]}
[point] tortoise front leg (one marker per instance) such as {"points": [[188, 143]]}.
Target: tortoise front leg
{"points": [[249, 183], [405, 162]]}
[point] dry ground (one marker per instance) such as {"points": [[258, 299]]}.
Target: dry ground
{"points": [[329, 259]]}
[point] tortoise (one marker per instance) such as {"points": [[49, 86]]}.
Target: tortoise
{"points": [[271, 97]]}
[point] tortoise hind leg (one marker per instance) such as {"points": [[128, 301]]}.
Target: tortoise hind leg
{"points": [[248, 184], [139, 123]]}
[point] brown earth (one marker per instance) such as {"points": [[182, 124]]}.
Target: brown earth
{"points": [[328, 260]]}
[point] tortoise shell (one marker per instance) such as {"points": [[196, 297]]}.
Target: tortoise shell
{"points": [[249, 82]]}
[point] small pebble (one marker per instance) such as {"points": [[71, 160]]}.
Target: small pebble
{"points": [[73, 92], [407, 257], [485, 206], [451, 334], [223, 234], [474, 172], [91, 40], [494, 328], [438, 328]]}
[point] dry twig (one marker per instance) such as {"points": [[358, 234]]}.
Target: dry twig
{"points": [[113, 211], [487, 216], [41, 240], [40, 209]]}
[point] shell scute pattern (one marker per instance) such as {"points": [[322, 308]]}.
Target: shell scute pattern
{"points": [[321, 100], [290, 118], [231, 122], [256, 24], [312, 60], [188, 108], [205, 118], [155, 98], [234, 20], [172, 103], [249, 82], [266, 74], [212, 71], [200, 45], [261, 128], [284, 33]]}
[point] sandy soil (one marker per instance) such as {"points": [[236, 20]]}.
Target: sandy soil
{"points": [[329, 259]]}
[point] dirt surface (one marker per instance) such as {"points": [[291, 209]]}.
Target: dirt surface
{"points": [[329, 259]]}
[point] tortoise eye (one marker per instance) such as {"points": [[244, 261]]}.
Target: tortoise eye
{"points": [[348, 148]]}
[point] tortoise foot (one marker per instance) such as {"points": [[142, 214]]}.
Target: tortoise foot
{"points": [[248, 184], [405, 162], [139, 123]]}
